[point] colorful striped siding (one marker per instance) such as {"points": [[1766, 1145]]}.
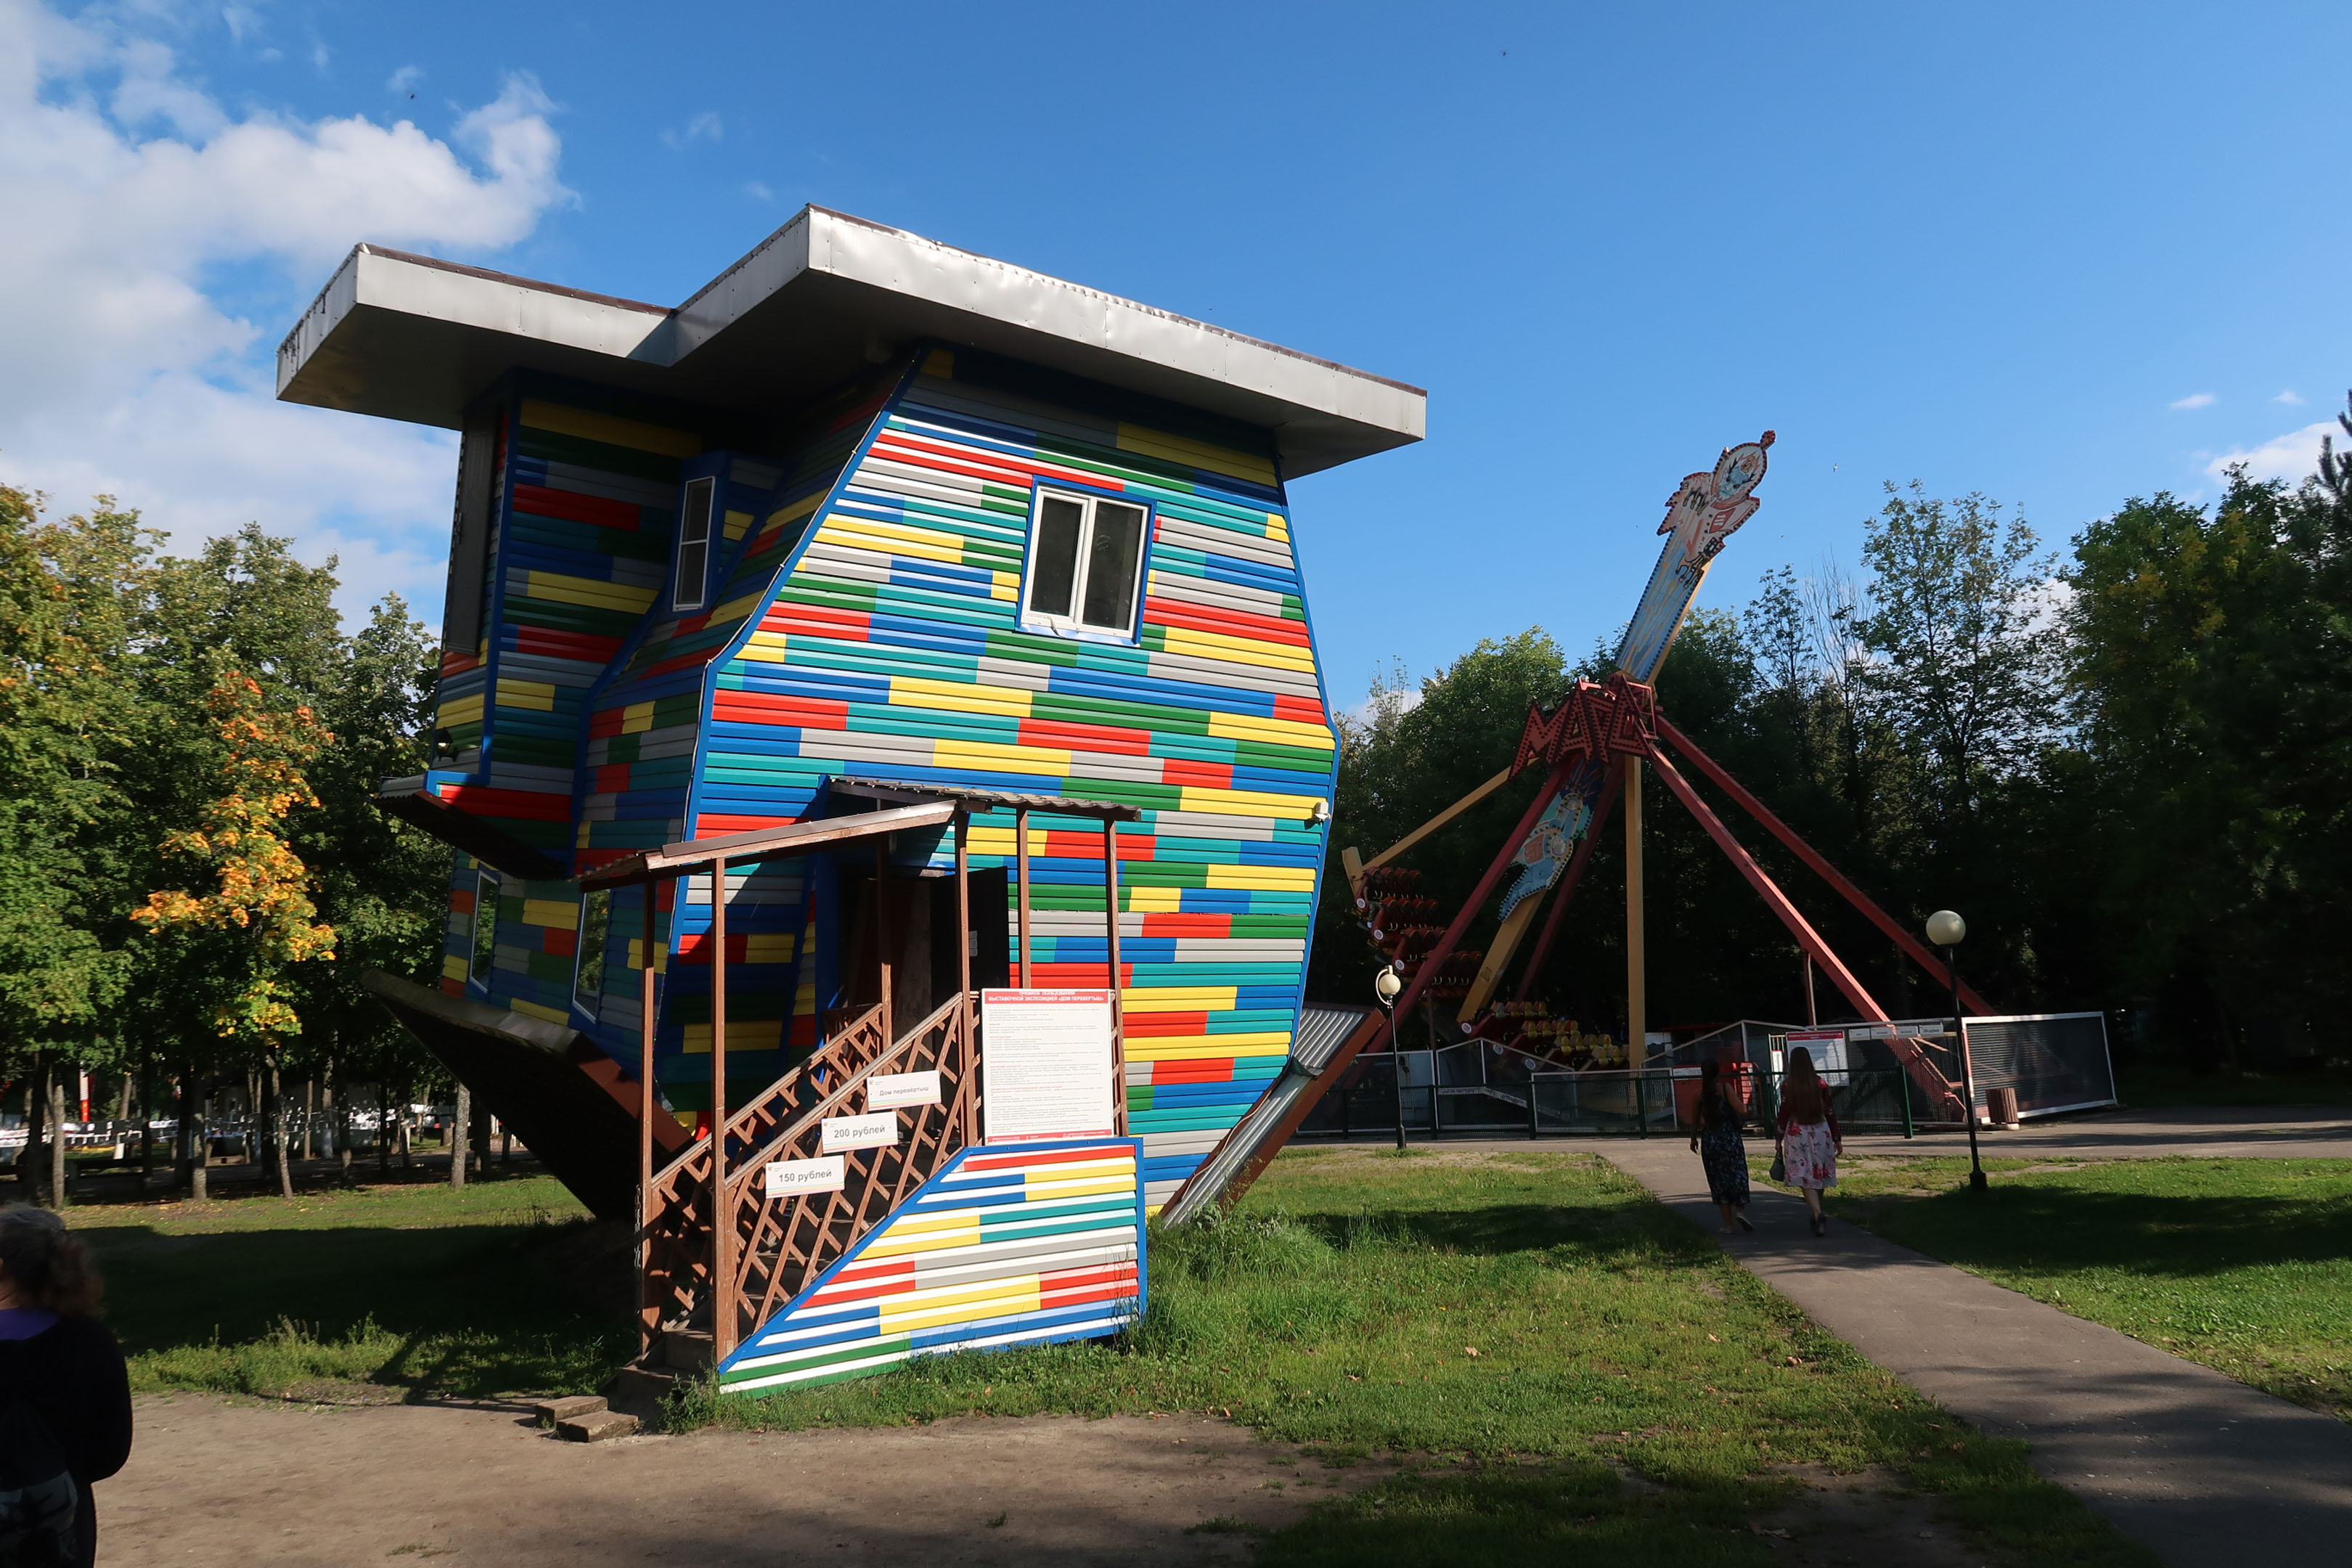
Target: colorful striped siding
{"points": [[1005, 1246], [895, 650], [586, 516], [643, 730], [862, 619]]}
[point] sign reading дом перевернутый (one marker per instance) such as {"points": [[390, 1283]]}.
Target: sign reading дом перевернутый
{"points": [[1046, 1065], [891, 1089]]}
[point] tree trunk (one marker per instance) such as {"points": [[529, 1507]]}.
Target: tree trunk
{"points": [[310, 1118], [406, 1160], [146, 1121], [459, 1145], [201, 1163], [123, 1110], [60, 1187], [37, 1122], [282, 1135]]}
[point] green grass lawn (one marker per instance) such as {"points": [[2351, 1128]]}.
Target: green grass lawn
{"points": [[1537, 1324], [409, 1288], [2244, 1265]]}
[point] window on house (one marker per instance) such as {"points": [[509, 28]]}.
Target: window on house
{"points": [[486, 928], [588, 970], [694, 545], [1086, 564]]}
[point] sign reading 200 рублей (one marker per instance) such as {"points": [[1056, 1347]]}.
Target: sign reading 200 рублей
{"points": [[1046, 1065]]}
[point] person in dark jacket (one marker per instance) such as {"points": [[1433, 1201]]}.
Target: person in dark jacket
{"points": [[58, 1357]]}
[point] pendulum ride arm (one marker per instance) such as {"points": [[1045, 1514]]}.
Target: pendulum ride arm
{"points": [[1428, 966], [1609, 791], [1914, 1059], [1911, 945], [1356, 866]]}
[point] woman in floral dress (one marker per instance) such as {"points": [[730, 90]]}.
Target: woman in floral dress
{"points": [[1721, 1151], [1810, 1140]]}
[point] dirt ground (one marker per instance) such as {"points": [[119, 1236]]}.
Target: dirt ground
{"points": [[216, 1481]]}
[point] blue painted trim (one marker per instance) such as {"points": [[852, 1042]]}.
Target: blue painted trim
{"points": [[733, 647]]}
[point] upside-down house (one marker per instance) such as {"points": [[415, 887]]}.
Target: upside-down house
{"points": [[868, 528]]}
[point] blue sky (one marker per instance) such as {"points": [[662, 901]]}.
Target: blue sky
{"points": [[2059, 254]]}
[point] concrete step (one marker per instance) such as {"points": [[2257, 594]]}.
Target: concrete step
{"points": [[597, 1426], [571, 1407], [686, 1350], [641, 1391]]}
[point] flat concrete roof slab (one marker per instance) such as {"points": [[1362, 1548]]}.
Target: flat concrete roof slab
{"points": [[415, 338]]}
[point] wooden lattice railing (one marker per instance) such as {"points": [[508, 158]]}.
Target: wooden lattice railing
{"points": [[782, 1243]]}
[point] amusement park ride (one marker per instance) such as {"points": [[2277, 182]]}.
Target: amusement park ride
{"points": [[1594, 748]]}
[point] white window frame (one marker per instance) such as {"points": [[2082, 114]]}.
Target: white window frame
{"points": [[486, 892], [1071, 625], [593, 1005], [693, 595]]}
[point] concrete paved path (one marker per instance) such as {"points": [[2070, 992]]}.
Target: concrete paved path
{"points": [[2198, 1466], [2270, 1132]]}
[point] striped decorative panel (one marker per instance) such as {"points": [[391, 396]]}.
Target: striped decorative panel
{"points": [[1005, 1246]]}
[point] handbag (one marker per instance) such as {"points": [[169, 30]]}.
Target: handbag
{"points": [[1779, 1171]]}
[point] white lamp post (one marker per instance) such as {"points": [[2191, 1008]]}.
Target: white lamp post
{"points": [[1947, 931], [1386, 985]]}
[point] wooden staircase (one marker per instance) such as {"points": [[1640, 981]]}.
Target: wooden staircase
{"points": [[694, 1310]]}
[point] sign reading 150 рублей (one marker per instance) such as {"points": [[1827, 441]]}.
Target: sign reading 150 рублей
{"points": [[1046, 1065]]}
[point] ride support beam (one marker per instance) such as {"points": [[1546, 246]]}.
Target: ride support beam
{"points": [[1913, 948], [1913, 1059]]}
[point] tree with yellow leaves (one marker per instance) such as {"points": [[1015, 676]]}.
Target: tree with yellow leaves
{"points": [[261, 899]]}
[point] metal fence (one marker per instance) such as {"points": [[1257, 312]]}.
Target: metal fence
{"points": [[1439, 1098]]}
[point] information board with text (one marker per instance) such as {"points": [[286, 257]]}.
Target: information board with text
{"points": [[1046, 1065]]}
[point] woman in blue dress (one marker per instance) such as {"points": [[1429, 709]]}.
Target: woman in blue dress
{"points": [[1720, 1148]]}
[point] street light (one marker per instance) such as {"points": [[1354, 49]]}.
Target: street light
{"points": [[1946, 930], [1386, 987]]}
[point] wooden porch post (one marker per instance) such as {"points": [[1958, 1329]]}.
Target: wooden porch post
{"points": [[1020, 873], [883, 966], [967, 1080], [649, 1313], [1117, 992], [722, 1220]]}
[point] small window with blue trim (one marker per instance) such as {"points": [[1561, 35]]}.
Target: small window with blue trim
{"points": [[1086, 565]]}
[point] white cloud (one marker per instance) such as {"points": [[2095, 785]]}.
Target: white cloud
{"points": [[2289, 396], [704, 127], [758, 191], [2195, 400], [405, 79], [2292, 457], [133, 211]]}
